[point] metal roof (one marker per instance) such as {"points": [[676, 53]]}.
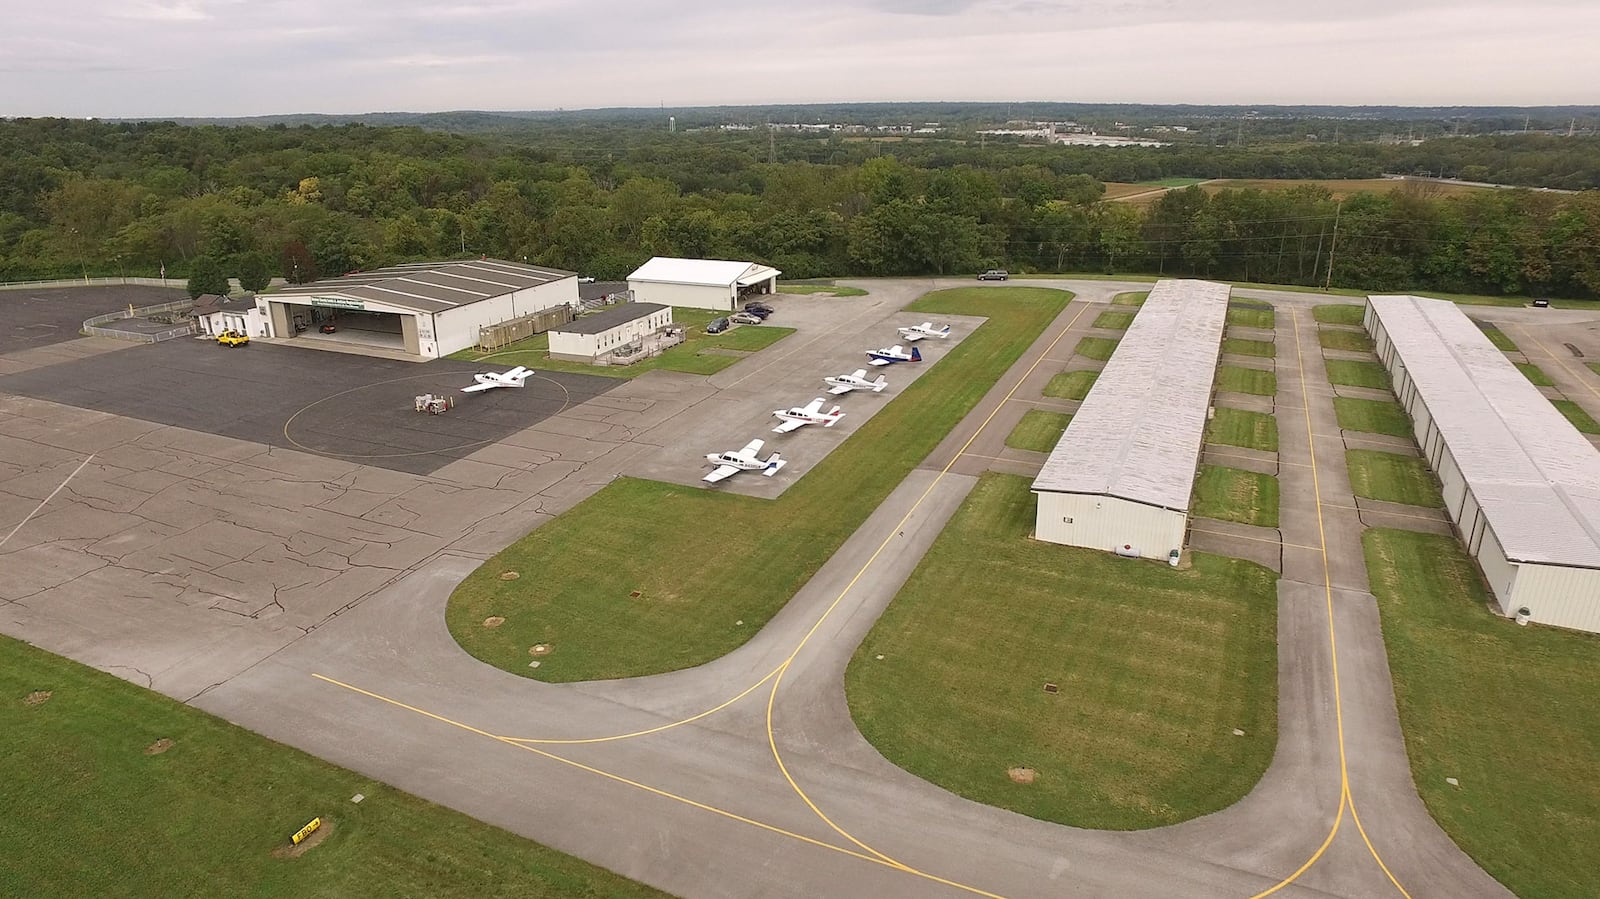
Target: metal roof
{"points": [[1535, 477], [430, 286], [1137, 435], [616, 316], [707, 272]]}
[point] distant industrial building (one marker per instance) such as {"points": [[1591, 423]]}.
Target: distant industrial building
{"points": [[421, 309], [587, 338], [1121, 476], [1520, 483], [718, 284]]}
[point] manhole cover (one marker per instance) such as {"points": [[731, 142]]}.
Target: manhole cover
{"points": [[1021, 775], [1052, 688], [493, 621], [509, 575]]}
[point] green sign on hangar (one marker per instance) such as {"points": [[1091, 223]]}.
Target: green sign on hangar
{"points": [[338, 303]]}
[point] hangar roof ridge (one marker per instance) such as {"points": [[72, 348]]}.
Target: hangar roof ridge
{"points": [[706, 272], [498, 277]]}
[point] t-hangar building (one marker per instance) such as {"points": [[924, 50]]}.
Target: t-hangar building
{"points": [[423, 309]]}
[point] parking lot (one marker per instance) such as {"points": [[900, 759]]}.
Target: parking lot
{"points": [[35, 318]]}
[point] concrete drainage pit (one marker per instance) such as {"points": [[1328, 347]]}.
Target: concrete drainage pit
{"points": [[539, 649], [509, 575], [493, 621], [1021, 775], [1052, 688]]}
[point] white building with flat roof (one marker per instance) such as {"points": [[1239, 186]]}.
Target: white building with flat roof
{"points": [[585, 338], [1121, 476], [1519, 481], [718, 284]]}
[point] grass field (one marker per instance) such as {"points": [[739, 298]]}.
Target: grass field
{"points": [[1238, 379], [1510, 712], [1241, 347], [1071, 385], [1342, 188], [1357, 374], [91, 808], [1038, 430], [1098, 348], [1238, 427], [1575, 413], [1131, 298], [1155, 668], [1497, 337], [1114, 321], [1535, 374], [1351, 341], [645, 577], [834, 290], [1339, 314], [1372, 416], [1392, 477], [1250, 317], [689, 356], [1231, 494]]}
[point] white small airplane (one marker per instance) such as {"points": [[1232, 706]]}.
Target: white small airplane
{"points": [[926, 329], [855, 381], [809, 414], [492, 379], [893, 354], [730, 464]]}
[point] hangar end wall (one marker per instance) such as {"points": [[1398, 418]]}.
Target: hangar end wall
{"points": [[1107, 523]]}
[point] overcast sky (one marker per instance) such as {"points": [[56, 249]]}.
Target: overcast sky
{"points": [[114, 58]]}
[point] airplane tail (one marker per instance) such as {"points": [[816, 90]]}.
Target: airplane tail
{"points": [[774, 462], [879, 384], [916, 355], [836, 413]]}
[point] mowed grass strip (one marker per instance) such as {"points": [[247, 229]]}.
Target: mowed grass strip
{"points": [[1497, 337], [1535, 374], [1240, 427], [1392, 477], [833, 289], [710, 568], [1232, 494], [1251, 317], [1372, 416], [1238, 379], [1131, 298], [95, 804], [1039, 430], [1340, 314], [1155, 668], [1071, 385], [1350, 341], [1097, 348], [1239, 346], [1114, 321], [1575, 413], [1510, 712], [1352, 373]]}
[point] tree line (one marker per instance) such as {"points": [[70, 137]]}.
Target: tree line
{"points": [[98, 198]]}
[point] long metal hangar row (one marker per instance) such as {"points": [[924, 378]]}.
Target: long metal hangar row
{"points": [[1121, 476], [1520, 482], [425, 309]]}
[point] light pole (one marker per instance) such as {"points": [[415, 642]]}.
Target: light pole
{"points": [[120, 269]]}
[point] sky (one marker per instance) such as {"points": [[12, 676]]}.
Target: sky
{"points": [[144, 58]]}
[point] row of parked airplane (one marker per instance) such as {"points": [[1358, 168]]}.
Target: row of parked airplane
{"points": [[749, 458]]}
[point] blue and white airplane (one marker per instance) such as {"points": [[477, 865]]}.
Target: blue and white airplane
{"points": [[893, 354], [926, 329], [747, 459]]}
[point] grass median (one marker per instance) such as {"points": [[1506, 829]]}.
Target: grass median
{"points": [[1113, 320], [1071, 385], [1535, 374], [1131, 298], [1497, 337], [1232, 494], [1240, 427], [1251, 317], [646, 577], [1239, 346], [829, 289], [1511, 713], [1349, 341], [113, 790], [1352, 373], [1099, 349], [1372, 416], [1392, 477], [1154, 669], [1340, 314], [1575, 413], [1039, 430], [1238, 379]]}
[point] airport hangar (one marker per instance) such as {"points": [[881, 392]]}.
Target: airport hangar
{"points": [[425, 309], [1519, 481], [718, 284], [1121, 477]]}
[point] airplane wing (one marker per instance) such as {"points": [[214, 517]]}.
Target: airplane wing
{"points": [[844, 388], [478, 387], [723, 472], [813, 407], [519, 372], [860, 373], [909, 334], [880, 362], [751, 448], [788, 425]]}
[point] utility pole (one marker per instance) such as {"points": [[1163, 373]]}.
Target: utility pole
{"points": [[1333, 245], [772, 144]]}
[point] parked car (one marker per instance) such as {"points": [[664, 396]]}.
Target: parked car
{"points": [[1541, 304], [758, 313], [994, 274], [586, 279], [231, 338], [758, 308], [717, 326], [328, 328], [745, 318]]}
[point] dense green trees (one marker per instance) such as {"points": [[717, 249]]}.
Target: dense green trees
{"points": [[599, 198]]}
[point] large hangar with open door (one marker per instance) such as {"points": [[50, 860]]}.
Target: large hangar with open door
{"points": [[424, 310]]}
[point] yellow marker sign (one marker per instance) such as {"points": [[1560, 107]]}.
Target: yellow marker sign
{"points": [[306, 831]]}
